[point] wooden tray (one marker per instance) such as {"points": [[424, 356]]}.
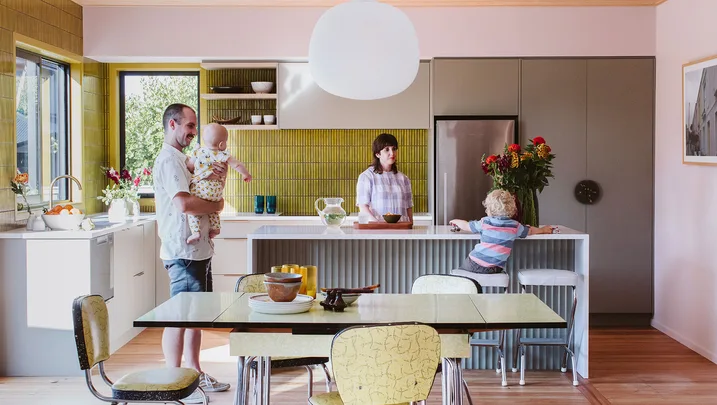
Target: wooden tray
{"points": [[384, 225]]}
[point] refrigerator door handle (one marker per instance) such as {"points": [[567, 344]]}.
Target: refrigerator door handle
{"points": [[445, 198]]}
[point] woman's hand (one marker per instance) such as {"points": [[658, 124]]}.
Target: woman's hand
{"points": [[463, 225]]}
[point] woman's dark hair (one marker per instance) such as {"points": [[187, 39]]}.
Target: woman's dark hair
{"points": [[379, 143]]}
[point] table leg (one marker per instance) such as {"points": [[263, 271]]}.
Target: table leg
{"points": [[266, 385], [457, 382], [446, 382], [259, 389], [238, 389]]}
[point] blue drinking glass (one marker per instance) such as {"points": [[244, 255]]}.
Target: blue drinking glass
{"points": [[258, 204], [271, 204]]}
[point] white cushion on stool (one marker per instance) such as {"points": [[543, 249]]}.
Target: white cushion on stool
{"points": [[547, 277], [485, 280]]}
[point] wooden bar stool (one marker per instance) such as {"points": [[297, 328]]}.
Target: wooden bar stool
{"points": [[497, 280], [548, 278]]}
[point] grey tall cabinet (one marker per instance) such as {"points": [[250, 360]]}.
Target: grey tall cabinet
{"points": [[598, 116]]}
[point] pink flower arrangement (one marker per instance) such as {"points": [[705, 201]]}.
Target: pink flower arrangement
{"points": [[125, 185]]}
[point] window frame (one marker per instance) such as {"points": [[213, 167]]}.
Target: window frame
{"points": [[63, 121], [122, 133]]}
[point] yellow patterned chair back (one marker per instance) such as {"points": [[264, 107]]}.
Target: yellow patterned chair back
{"points": [[251, 283], [385, 364], [91, 324], [444, 284]]}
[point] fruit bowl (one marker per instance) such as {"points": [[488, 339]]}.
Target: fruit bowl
{"points": [[391, 218], [63, 222]]}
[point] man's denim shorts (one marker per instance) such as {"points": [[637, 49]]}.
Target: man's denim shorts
{"points": [[189, 275]]}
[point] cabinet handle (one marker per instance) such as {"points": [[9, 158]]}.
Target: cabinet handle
{"points": [[141, 273]]}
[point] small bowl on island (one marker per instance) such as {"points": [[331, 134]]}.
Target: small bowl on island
{"points": [[391, 218]]}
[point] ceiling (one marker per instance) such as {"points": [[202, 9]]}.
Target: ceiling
{"points": [[404, 3]]}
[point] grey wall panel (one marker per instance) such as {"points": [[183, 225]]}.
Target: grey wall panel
{"points": [[396, 263], [554, 106], [620, 158], [476, 86]]}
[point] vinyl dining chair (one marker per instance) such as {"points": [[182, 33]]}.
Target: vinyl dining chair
{"points": [[254, 283], [377, 365], [164, 385], [446, 284]]}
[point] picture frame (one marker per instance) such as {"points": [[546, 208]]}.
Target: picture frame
{"points": [[699, 112]]}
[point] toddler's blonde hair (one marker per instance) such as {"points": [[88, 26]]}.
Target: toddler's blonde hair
{"points": [[500, 203]]}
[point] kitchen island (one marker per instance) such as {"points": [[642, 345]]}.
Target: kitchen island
{"points": [[348, 257]]}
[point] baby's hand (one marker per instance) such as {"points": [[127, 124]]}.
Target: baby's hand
{"points": [[247, 178]]}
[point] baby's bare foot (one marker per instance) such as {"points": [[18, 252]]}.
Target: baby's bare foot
{"points": [[213, 233], [194, 238]]}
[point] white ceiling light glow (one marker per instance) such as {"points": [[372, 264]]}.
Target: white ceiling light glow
{"points": [[364, 50]]}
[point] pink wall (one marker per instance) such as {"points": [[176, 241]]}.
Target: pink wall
{"points": [[194, 33], [685, 196]]}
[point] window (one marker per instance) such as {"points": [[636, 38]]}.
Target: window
{"points": [[42, 124], [143, 98]]}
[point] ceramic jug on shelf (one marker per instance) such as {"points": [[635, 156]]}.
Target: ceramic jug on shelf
{"points": [[332, 215]]}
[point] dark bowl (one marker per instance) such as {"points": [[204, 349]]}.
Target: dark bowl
{"points": [[226, 89], [282, 277], [391, 218], [282, 292]]}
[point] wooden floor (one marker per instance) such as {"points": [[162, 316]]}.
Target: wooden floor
{"points": [[627, 366]]}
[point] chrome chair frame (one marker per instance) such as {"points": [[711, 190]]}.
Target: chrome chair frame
{"points": [[257, 375], [568, 344]]}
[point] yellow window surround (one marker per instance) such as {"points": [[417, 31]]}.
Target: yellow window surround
{"points": [[114, 71], [75, 113]]}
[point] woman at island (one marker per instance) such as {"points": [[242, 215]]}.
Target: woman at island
{"points": [[382, 189]]}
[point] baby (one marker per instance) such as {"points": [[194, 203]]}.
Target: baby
{"points": [[497, 233], [200, 163]]}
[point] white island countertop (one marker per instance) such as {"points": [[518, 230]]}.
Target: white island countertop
{"points": [[301, 232]]}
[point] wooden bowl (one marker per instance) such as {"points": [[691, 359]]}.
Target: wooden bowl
{"points": [[282, 277], [282, 292], [391, 218]]}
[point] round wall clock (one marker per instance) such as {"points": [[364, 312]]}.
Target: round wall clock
{"points": [[587, 192]]}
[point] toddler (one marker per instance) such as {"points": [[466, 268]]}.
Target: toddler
{"points": [[200, 163], [497, 234]]}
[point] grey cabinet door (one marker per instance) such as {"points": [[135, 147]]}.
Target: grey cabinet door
{"points": [[620, 158], [553, 105], [475, 86]]}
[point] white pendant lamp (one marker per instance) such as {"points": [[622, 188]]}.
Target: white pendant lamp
{"points": [[364, 50]]}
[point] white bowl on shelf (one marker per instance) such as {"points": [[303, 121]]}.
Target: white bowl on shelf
{"points": [[63, 222], [269, 120], [262, 87], [256, 120]]}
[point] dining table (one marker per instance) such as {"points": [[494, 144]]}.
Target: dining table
{"points": [[259, 336]]}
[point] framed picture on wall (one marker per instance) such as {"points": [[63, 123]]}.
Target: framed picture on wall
{"points": [[699, 112]]}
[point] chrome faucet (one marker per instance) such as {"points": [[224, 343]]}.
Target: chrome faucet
{"points": [[52, 185]]}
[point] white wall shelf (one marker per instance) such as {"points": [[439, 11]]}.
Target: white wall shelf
{"points": [[238, 65], [238, 96], [251, 127]]}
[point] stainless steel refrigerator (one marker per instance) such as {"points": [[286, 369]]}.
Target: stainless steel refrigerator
{"points": [[460, 142]]}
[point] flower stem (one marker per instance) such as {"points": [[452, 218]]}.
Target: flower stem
{"points": [[27, 204]]}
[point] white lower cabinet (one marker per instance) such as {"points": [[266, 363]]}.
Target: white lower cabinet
{"points": [[228, 263], [134, 266], [40, 278]]}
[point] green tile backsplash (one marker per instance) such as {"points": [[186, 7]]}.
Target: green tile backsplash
{"points": [[299, 166]]}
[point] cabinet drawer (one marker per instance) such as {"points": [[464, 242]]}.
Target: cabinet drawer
{"points": [[224, 282]]}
